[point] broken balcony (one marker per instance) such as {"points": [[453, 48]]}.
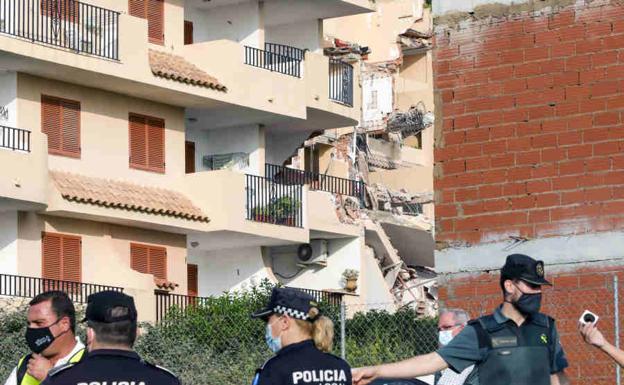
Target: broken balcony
{"points": [[68, 24]]}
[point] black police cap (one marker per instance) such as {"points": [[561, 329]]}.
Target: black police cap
{"points": [[525, 268], [100, 307], [288, 301]]}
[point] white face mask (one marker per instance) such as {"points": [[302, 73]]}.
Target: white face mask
{"points": [[445, 337]]}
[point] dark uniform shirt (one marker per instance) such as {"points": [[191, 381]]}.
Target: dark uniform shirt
{"points": [[463, 350], [302, 364], [111, 367]]}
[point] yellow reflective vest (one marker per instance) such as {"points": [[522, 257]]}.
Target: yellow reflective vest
{"points": [[24, 378]]}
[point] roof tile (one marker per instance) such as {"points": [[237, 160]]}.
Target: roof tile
{"points": [[174, 67]]}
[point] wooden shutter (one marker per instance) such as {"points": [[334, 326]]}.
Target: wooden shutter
{"points": [[136, 8], [188, 32], [156, 21], [149, 260], [147, 143], [61, 257], [139, 256], [51, 123], [60, 120], [156, 144], [191, 279], [138, 145], [158, 262]]}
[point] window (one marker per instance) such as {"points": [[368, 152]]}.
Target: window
{"points": [[61, 257], [149, 260], [191, 271], [147, 143], [60, 121], [372, 104], [188, 32], [154, 12]]}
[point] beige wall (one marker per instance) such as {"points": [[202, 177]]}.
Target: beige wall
{"points": [[104, 130], [414, 179]]}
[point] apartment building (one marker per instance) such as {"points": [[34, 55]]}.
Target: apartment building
{"points": [[135, 139]]}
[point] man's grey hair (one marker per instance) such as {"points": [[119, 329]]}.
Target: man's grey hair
{"points": [[460, 315]]}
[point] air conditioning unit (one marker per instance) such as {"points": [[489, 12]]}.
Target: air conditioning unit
{"points": [[313, 253]]}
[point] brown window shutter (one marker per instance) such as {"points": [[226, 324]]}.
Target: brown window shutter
{"points": [[156, 21], [51, 255], [72, 266], [136, 8], [139, 256], [51, 122], [191, 279], [138, 142], [188, 32], [70, 130], [156, 144], [158, 262]]}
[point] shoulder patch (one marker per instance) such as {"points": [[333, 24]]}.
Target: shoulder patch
{"points": [[59, 369]]}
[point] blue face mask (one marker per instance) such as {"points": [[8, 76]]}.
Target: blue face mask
{"points": [[274, 343]]}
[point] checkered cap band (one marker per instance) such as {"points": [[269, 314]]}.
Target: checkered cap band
{"points": [[298, 314]]}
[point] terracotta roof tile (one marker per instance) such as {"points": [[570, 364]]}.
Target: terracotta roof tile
{"points": [[177, 68], [124, 195], [379, 160]]}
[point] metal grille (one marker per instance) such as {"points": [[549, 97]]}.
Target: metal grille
{"points": [[273, 62], [274, 203], [14, 138], [341, 82]]}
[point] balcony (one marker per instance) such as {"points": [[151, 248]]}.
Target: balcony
{"points": [[67, 24], [28, 287], [23, 185], [341, 82], [274, 203], [276, 58], [316, 181]]}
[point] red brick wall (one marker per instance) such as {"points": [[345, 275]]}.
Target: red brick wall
{"points": [[531, 141], [572, 293]]}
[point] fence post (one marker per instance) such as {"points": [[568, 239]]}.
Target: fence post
{"points": [[616, 305], [342, 329]]}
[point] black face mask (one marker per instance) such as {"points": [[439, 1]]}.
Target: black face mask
{"points": [[528, 303], [39, 339]]}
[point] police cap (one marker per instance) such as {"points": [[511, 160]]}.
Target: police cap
{"points": [[100, 307], [525, 268], [292, 302]]}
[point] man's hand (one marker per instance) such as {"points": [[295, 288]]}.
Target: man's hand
{"points": [[39, 366], [592, 335], [363, 376]]}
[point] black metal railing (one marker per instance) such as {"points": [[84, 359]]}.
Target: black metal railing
{"points": [[341, 82], [285, 50], [274, 203], [333, 299], [272, 61], [14, 138], [28, 287], [316, 181], [67, 24], [165, 302]]}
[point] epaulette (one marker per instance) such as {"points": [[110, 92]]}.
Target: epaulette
{"points": [[58, 369]]}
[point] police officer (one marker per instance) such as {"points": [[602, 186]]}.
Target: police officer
{"points": [[516, 345], [301, 338], [111, 331], [50, 336]]}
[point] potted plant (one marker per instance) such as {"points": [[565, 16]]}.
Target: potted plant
{"points": [[284, 209], [350, 276]]}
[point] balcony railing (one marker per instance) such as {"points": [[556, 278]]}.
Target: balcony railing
{"points": [[316, 181], [341, 82], [67, 24], [274, 62], [285, 50], [14, 138], [166, 302], [28, 287], [274, 203]]}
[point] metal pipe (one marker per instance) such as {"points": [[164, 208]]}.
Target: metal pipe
{"points": [[343, 318]]}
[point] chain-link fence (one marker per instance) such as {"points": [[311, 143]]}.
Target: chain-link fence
{"points": [[216, 342]]}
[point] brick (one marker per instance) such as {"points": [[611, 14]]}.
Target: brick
{"points": [[539, 186], [598, 164], [511, 189], [540, 82], [544, 171], [516, 115], [487, 59], [615, 72], [615, 102], [494, 205], [539, 216], [471, 150], [552, 66], [535, 24], [537, 53], [466, 194], [541, 112], [547, 38], [578, 63], [501, 73], [613, 42], [571, 168], [589, 46], [591, 180], [505, 160], [465, 121], [519, 173], [604, 88], [606, 118], [475, 77], [465, 93], [598, 194], [605, 58], [505, 131], [527, 129], [543, 141], [547, 200], [593, 105], [489, 118], [454, 166], [580, 151], [565, 109], [568, 138], [580, 122], [514, 86], [448, 210], [527, 69], [598, 29], [613, 207], [519, 144], [566, 282], [563, 50], [473, 208], [486, 192], [494, 176], [477, 164], [457, 137], [606, 148], [477, 135], [565, 183], [567, 78], [446, 53], [554, 126], [553, 154], [486, 104], [592, 76], [495, 147], [614, 178], [531, 157], [523, 203], [572, 197], [511, 57]]}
